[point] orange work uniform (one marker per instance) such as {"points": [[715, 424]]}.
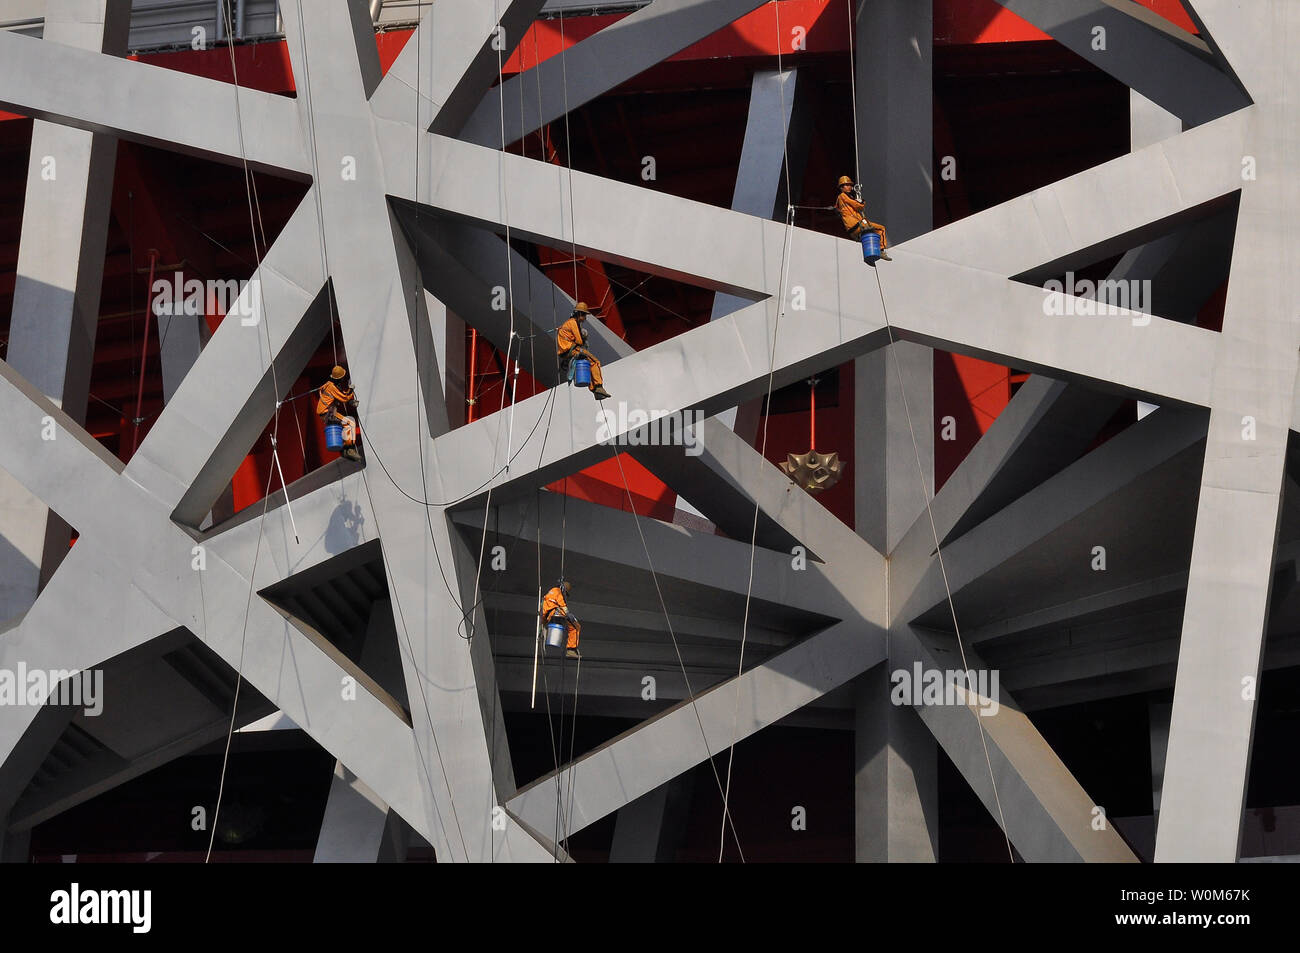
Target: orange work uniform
{"points": [[553, 604], [332, 397], [855, 222], [571, 342]]}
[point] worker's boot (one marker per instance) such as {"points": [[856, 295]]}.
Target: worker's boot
{"points": [[351, 452], [572, 653], [884, 255], [600, 393]]}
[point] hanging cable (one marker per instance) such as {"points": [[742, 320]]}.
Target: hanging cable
{"points": [[916, 449], [663, 605], [786, 246], [239, 667], [568, 155], [249, 186], [510, 303], [315, 171], [952, 608], [853, 88]]}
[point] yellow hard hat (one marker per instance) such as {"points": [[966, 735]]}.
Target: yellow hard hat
{"points": [[338, 373], [582, 306], [844, 180]]}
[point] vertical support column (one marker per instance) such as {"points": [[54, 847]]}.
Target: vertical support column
{"points": [[895, 777], [56, 294], [896, 764], [356, 820], [893, 41], [1225, 617], [647, 830]]}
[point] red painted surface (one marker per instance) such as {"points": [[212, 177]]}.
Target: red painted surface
{"points": [[972, 392]]}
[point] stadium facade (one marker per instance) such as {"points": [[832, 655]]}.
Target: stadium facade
{"points": [[1048, 612]]}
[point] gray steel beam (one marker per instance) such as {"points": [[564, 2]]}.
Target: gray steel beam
{"points": [[620, 771], [1142, 50], [1255, 385], [760, 188], [355, 822], [598, 64], [452, 79], [893, 388], [1044, 811], [896, 777], [1079, 493], [56, 291], [392, 390], [151, 105]]}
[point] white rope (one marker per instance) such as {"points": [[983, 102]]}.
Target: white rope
{"points": [[771, 373], [916, 449], [510, 303], [266, 497], [636, 521]]}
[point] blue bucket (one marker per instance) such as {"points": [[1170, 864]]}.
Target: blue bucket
{"points": [[870, 246], [334, 436], [556, 633], [582, 372]]}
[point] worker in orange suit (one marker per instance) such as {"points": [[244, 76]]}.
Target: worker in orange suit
{"points": [[554, 606], [855, 222], [571, 344], [335, 395]]}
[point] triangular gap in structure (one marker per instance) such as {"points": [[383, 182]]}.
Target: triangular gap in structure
{"points": [[1041, 427], [651, 475], [301, 349], [293, 445], [194, 214], [466, 269], [475, 87], [167, 698], [343, 605], [1085, 546], [1168, 268], [624, 637]]}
